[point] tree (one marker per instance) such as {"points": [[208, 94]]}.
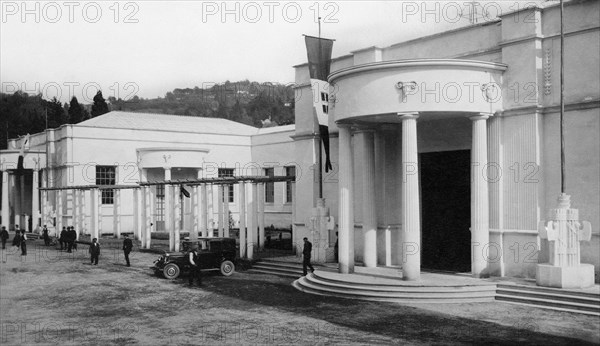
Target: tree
{"points": [[76, 111], [100, 106]]}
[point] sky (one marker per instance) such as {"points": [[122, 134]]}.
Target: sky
{"points": [[147, 48]]}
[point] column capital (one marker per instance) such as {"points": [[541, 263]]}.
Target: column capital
{"points": [[407, 116], [481, 116]]}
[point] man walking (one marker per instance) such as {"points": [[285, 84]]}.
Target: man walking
{"points": [[127, 246], [4, 236], [306, 253], [195, 271], [95, 251]]}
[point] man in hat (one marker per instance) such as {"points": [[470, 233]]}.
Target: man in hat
{"points": [[23, 243], [127, 246], [4, 236], [46, 236], [306, 252], [195, 272], [95, 251]]}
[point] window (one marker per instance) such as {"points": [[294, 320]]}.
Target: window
{"points": [[290, 171], [227, 172], [106, 175], [270, 187]]}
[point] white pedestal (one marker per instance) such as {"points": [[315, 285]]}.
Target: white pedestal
{"points": [[581, 276]]}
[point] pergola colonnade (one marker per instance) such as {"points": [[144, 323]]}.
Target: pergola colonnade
{"points": [[251, 202]]}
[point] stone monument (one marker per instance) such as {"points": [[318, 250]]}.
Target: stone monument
{"points": [[564, 231]]}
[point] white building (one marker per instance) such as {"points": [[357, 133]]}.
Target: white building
{"points": [[446, 153]]}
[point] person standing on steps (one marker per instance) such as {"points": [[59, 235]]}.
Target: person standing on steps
{"points": [[306, 253]]}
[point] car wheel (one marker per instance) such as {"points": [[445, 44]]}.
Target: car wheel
{"points": [[227, 268], [171, 271]]}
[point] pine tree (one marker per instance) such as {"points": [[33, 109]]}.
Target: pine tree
{"points": [[100, 106], [76, 111]]}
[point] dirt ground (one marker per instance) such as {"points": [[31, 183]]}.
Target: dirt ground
{"points": [[55, 298]]}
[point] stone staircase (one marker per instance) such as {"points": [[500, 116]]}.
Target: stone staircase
{"points": [[550, 298], [277, 267], [325, 281]]}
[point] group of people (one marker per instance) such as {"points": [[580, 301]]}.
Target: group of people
{"points": [[20, 239], [67, 238]]}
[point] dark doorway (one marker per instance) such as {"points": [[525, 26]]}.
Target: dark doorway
{"points": [[446, 210]]}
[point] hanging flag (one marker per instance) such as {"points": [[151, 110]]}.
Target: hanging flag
{"points": [[184, 192], [20, 165], [319, 64]]}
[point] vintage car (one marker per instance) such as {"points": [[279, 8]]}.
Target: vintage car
{"points": [[214, 253]]}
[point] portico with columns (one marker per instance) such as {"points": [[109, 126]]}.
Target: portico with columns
{"points": [[396, 97]]}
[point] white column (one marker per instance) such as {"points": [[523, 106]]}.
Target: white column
{"points": [[80, 213], [411, 222], [83, 226], [35, 198], [480, 232], [220, 209], [93, 214], [226, 188], [242, 219], [168, 216], [195, 213], [203, 211], [369, 208], [252, 205], [261, 216], [177, 215], [147, 217], [5, 206], [59, 211], [44, 207], [346, 212], [75, 208], [210, 209], [116, 213], [99, 220], [136, 214]]}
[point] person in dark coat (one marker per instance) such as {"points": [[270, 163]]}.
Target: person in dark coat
{"points": [[17, 239], [23, 243], [306, 253], [71, 237], [127, 246], [94, 251], [74, 236], [4, 236], [46, 236], [195, 272], [63, 239]]}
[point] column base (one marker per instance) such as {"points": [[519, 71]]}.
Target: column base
{"points": [[565, 277]]}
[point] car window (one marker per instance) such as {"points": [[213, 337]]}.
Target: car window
{"points": [[203, 245]]}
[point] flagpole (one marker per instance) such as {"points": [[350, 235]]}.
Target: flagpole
{"points": [[319, 140], [562, 100]]}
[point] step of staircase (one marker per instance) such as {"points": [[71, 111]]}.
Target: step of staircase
{"points": [[280, 268], [556, 299], [315, 284]]}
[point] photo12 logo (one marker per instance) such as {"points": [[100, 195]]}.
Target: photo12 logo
{"points": [[69, 12], [65, 91], [268, 11]]}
